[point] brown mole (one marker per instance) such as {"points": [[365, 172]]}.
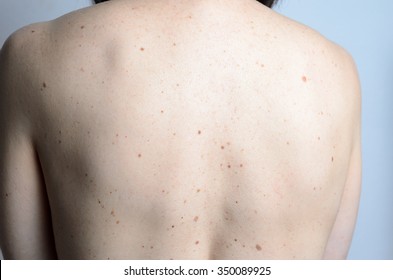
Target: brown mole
{"points": [[196, 218], [258, 247]]}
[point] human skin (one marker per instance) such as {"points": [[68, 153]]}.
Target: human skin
{"points": [[177, 130]]}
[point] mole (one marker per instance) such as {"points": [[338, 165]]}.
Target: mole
{"points": [[139, 155], [44, 84], [197, 242], [142, 49], [258, 247], [196, 218], [199, 132], [222, 147], [332, 159], [82, 26], [32, 31], [117, 222]]}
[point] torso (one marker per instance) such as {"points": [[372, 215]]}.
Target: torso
{"points": [[189, 132]]}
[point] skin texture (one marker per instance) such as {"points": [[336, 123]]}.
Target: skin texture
{"points": [[184, 130]]}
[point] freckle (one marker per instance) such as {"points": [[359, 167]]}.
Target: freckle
{"points": [[162, 111], [198, 190], [177, 85], [83, 70], [117, 135], [113, 213], [199, 132], [196, 242], [222, 147], [236, 202], [185, 201], [125, 136], [304, 79], [314, 188], [139, 155], [244, 246], [117, 222], [319, 138], [258, 247], [196, 218], [174, 44], [142, 49], [241, 165], [151, 247], [332, 159]]}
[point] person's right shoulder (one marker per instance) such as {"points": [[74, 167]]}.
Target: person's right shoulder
{"points": [[333, 70]]}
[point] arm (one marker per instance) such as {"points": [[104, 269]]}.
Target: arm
{"points": [[341, 235], [25, 221]]}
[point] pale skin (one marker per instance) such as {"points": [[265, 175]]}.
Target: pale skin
{"points": [[177, 130]]}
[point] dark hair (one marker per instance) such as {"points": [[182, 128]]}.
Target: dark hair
{"points": [[268, 3]]}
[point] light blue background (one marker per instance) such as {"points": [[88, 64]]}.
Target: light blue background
{"points": [[365, 29]]}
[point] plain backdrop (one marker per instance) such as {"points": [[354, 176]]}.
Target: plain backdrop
{"points": [[362, 27]]}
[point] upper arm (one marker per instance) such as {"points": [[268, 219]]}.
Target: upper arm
{"points": [[25, 222], [341, 235]]}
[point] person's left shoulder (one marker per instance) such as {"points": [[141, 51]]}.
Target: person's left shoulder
{"points": [[20, 62]]}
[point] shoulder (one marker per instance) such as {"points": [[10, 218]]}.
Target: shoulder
{"points": [[334, 70], [21, 54]]}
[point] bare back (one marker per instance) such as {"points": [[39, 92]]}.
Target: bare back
{"points": [[191, 131]]}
